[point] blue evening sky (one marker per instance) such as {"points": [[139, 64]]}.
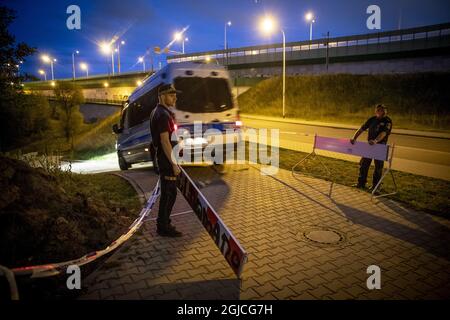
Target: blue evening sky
{"points": [[144, 24]]}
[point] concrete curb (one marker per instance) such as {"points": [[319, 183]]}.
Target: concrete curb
{"points": [[137, 188]]}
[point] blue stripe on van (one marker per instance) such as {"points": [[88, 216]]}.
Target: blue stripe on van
{"points": [[221, 126], [141, 139]]}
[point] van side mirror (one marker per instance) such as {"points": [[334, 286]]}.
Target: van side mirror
{"points": [[116, 129]]}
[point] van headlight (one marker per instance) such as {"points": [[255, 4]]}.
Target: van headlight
{"points": [[200, 141]]}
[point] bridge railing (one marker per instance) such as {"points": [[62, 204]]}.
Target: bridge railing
{"points": [[428, 32], [113, 102]]}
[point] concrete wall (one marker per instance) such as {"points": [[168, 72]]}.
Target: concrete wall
{"points": [[118, 93], [411, 65]]}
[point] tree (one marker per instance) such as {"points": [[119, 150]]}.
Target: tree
{"points": [[11, 102], [69, 97]]}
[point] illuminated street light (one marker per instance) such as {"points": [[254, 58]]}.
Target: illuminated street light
{"points": [[180, 37], [48, 59], [310, 18], [73, 63], [53, 83], [84, 66], [268, 25], [118, 53], [106, 84], [208, 59], [43, 73], [142, 60], [18, 68], [139, 83], [107, 49], [225, 43]]}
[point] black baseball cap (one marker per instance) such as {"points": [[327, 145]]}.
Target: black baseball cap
{"points": [[167, 89], [381, 106]]}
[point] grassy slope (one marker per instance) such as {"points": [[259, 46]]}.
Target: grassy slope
{"points": [[415, 101], [47, 217], [93, 140], [97, 141]]}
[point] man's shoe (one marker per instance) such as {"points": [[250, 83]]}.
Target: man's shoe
{"points": [[359, 186], [376, 192], [169, 232], [174, 233]]}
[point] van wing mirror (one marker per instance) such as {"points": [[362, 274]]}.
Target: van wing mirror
{"points": [[116, 129]]}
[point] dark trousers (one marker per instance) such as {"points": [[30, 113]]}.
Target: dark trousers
{"points": [[364, 165], [168, 193]]}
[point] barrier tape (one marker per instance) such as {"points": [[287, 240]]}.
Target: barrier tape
{"points": [[228, 245], [47, 270]]}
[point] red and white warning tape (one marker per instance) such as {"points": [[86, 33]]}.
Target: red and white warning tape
{"points": [[226, 242], [46, 270]]}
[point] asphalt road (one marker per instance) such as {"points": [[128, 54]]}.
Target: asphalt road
{"points": [[426, 156]]}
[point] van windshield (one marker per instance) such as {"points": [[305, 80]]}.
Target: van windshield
{"points": [[203, 95]]}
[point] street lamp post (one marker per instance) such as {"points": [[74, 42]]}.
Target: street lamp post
{"points": [[310, 17], [44, 74], [268, 25], [225, 43], [185, 39], [112, 61], [142, 60], [18, 68], [118, 53], [179, 36], [85, 67], [50, 60], [73, 64], [106, 49]]}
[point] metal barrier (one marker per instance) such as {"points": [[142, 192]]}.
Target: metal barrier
{"points": [[382, 152]]}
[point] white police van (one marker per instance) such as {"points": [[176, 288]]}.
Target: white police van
{"points": [[206, 96]]}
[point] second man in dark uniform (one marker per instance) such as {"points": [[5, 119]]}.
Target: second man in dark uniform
{"points": [[379, 127]]}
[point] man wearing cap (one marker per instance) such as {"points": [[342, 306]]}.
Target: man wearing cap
{"points": [[379, 127], [162, 125]]}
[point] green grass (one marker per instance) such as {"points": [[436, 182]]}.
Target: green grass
{"points": [[111, 190], [415, 101], [98, 141], [419, 192], [93, 141]]}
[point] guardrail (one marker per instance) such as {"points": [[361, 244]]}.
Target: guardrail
{"points": [[96, 101]]}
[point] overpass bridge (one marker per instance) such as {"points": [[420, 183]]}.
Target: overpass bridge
{"points": [[423, 49]]}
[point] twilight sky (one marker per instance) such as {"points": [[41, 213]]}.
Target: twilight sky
{"points": [[145, 24]]}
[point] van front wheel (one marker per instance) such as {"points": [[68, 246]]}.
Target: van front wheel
{"points": [[123, 165]]}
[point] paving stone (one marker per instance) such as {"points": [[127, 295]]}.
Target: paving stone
{"points": [[268, 215]]}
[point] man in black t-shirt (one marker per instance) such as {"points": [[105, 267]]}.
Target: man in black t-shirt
{"points": [[162, 125], [379, 127]]}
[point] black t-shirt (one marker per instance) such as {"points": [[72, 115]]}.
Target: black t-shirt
{"points": [[161, 120], [376, 126]]}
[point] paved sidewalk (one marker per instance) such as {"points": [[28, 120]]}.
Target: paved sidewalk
{"points": [[270, 216]]}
